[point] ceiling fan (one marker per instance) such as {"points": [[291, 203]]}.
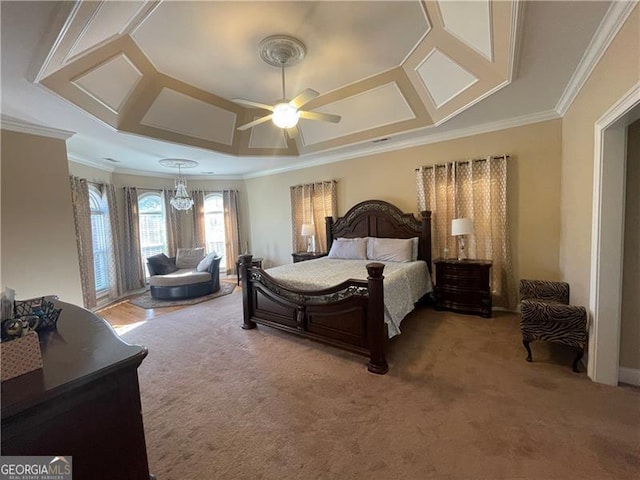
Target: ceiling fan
{"points": [[284, 51]]}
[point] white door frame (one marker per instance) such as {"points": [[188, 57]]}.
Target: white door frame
{"points": [[605, 298]]}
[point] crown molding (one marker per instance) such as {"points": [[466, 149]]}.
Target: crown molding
{"points": [[613, 20], [89, 163], [414, 142], [16, 125]]}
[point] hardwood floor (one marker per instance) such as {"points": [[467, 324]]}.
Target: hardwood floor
{"points": [[125, 313]]}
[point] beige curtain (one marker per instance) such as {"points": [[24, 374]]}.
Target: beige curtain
{"points": [[131, 258], [199, 236], [475, 189], [311, 203], [173, 223], [82, 221], [116, 283], [231, 229]]}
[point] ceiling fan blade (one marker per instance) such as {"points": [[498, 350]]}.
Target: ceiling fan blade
{"points": [[251, 103], [293, 132], [325, 117], [304, 97], [258, 121]]}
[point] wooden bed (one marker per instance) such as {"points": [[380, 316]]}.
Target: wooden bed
{"points": [[349, 315]]}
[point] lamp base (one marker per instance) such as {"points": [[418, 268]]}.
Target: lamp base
{"points": [[462, 255]]}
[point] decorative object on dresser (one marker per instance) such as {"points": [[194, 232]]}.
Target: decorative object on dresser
{"points": [[351, 314], [463, 286], [545, 314], [309, 231], [84, 402], [302, 256], [459, 228]]}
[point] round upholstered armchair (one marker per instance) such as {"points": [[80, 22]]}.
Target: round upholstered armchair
{"points": [[187, 275]]}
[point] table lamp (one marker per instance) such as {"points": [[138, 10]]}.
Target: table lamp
{"points": [[309, 231], [459, 228]]}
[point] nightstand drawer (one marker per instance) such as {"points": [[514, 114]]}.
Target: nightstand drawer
{"points": [[463, 285]]}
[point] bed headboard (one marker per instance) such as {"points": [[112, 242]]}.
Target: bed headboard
{"points": [[377, 218]]}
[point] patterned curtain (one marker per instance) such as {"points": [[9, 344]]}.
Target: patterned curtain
{"points": [[131, 259], [116, 275], [173, 221], [231, 228], [475, 189], [82, 221], [310, 203], [199, 236]]}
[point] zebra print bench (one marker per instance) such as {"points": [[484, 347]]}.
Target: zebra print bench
{"points": [[545, 314]]}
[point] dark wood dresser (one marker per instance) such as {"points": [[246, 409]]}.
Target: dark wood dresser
{"points": [[302, 256], [463, 286], [84, 402]]}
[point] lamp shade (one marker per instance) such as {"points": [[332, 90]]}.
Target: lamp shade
{"points": [[308, 230], [461, 226]]}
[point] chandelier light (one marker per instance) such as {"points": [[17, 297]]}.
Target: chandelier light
{"points": [[181, 199]]}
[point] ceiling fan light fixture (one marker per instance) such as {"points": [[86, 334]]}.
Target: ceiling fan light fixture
{"points": [[285, 115]]}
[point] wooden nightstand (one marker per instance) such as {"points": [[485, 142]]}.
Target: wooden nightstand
{"points": [[302, 256], [463, 286]]}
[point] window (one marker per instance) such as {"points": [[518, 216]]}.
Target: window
{"points": [[100, 240], [153, 228], [214, 225]]}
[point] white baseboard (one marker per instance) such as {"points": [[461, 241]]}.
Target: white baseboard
{"points": [[629, 375]]}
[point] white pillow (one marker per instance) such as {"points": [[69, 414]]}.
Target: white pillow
{"points": [[205, 263], [390, 249], [349, 249], [189, 257], [414, 248]]}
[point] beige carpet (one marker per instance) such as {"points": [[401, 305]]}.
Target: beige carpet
{"points": [[459, 402]]}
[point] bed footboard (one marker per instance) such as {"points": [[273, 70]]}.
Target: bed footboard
{"points": [[348, 316]]}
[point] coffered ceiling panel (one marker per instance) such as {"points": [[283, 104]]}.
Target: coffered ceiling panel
{"points": [[108, 20], [373, 108], [112, 82], [471, 22], [186, 115], [267, 135], [444, 78]]}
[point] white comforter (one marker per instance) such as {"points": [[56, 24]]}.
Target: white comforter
{"points": [[404, 283]]}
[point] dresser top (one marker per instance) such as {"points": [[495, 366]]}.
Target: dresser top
{"points": [[467, 261], [82, 348]]}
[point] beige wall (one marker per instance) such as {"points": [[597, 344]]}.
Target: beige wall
{"points": [[533, 191], [630, 325], [614, 75], [617, 72], [39, 253]]}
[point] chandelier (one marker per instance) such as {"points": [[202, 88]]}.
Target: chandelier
{"points": [[181, 200]]}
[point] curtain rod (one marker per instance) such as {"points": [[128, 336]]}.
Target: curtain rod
{"points": [[313, 183], [481, 159]]}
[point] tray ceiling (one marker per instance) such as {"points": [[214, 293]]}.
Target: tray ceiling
{"points": [[135, 82], [168, 70]]}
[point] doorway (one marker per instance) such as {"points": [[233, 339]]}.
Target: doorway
{"points": [[608, 237]]}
